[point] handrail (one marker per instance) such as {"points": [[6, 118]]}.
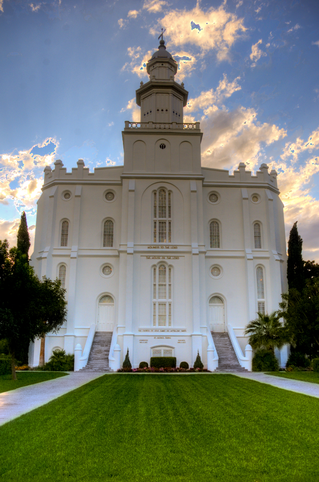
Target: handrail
{"points": [[212, 355], [87, 349], [115, 351], [244, 361], [162, 125]]}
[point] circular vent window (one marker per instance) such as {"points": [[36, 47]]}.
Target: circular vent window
{"points": [[66, 195], [109, 196], [162, 146], [255, 198], [213, 197], [216, 271], [107, 270]]}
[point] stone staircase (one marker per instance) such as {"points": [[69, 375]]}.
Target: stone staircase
{"points": [[99, 356], [228, 361]]}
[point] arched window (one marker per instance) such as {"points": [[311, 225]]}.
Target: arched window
{"points": [[108, 234], [62, 274], [214, 234], [257, 236], [162, 216], [64, 233], [162, 295], [260, 290]]}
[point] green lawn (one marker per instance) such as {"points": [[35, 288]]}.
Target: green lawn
{"points": [[312, 377], [26, 378], [166, 428]]}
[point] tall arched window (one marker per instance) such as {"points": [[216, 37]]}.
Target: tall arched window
{"points": [[260, 290], [162, 295], [214, 234], [162, 216], [64, 233], [108, 234], [257, 236], [62, 274]]}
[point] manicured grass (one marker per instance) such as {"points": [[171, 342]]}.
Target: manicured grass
{"points": [[166, 428], [26, 378], [312, 377]]}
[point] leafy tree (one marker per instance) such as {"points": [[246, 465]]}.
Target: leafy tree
{"points": [[295, 269], [301, 314], [311, 270], [23, 238], [29, 308], [267, 332]]}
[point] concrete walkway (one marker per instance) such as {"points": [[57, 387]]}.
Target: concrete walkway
{"points": [[23, 400], [297, 386]]}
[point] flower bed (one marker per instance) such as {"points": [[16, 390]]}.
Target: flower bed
{"points": [[162, 370]]}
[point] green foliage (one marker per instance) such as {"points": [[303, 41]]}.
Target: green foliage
{"points": [[23, 238], [264, 361], [163, 362], [295, 269], [297, 359], [315, 364], [198, 362], [5, 365], [184, 364], [311, 270], [4, 348], [29, 308], [59, 362], [266, 332], [127, 363], [300, 311], [143, 364]]}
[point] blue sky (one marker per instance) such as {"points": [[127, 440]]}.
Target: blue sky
{"points": [[69, 71]]}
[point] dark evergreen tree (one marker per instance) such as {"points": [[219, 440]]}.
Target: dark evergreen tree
{"points": [[23, 238], [295, 269], [311, 270], [127, 363], [198, 362]]}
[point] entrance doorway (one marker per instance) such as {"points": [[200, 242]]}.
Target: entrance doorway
{"points": [[216, 314], [105, 320]]}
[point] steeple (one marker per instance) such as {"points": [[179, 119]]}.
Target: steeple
{"points": [[161, 99]]}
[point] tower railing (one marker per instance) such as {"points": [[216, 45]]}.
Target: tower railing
{"points": [[163, 125]]}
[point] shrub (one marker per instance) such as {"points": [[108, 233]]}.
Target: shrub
{"points": [[265, 361], [163, 362], [198, 362], [297, 359], [143, 364], [5, 365], [315, 364], [127, 364], [60, 362], [184, 364], [4, 349]]}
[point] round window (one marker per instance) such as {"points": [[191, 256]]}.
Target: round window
{"points": [[255, 198], [216, 271], [107, 270], [213, 197], [109, 196], [66, 195], [162, 146]]}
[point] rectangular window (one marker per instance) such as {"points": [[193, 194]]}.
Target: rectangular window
{"points": [[162, 212]]}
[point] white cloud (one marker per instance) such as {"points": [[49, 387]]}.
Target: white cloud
{"points": [[256, 53], [315, 43], [239, 4], [122, 23], [35, 8], [136, 111], [154, 6], [293, 149], [213, 29], [296, 27], [138, 63], [133, 13], [1, 5], [186, 64], [9, 231], [109, 162], [110, 124]]}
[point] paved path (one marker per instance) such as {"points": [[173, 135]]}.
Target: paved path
{"points": [[297, 386], [23, 400]]}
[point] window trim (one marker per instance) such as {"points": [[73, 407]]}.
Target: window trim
{"points": [[68, 233], [264, 299], [60, 265], [155, 300], [113, 234], [260, 235], [168, 219]]}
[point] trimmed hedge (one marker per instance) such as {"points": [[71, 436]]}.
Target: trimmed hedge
{"points": [[265, 361], [143, 364], [184, 364], [163, 362], [5, 365], [315, 364]]}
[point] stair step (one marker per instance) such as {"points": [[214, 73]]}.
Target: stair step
{"points": [[228, 361], [99, 356]]}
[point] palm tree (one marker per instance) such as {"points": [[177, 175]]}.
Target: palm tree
{"points": [[266, 331]]}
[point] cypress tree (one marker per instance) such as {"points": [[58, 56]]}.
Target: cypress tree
{"points": [[295, 269], [23, 238]]}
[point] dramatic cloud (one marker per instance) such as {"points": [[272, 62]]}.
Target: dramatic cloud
{"points": [[9, 231], [213, 29], [138, 61], [186, 63], [256, 53], [293, 149]]}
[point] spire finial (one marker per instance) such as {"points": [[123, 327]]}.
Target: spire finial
{"points": [[162, 42]]}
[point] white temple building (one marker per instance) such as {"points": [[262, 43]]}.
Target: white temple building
{"points": [[160, 254]]}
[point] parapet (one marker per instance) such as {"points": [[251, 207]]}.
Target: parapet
{"points": [[240, 175]]}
